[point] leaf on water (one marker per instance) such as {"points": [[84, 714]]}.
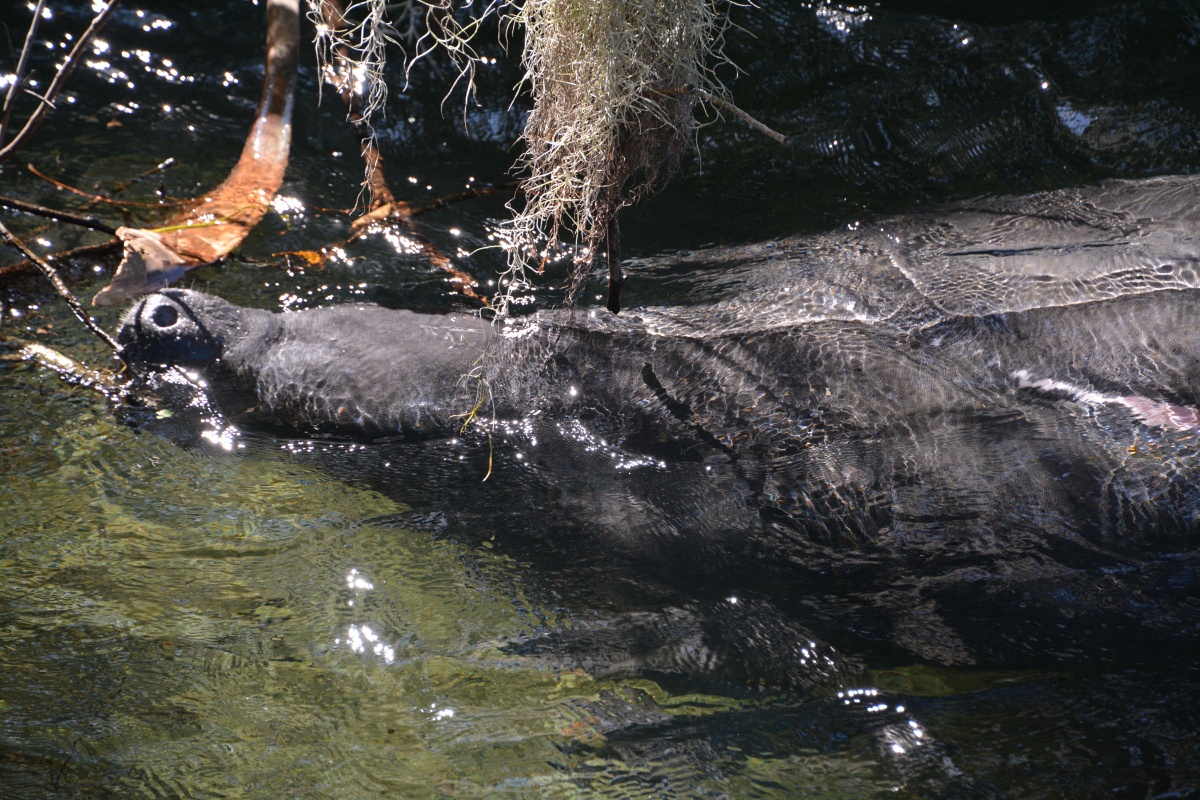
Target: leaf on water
{"points": [[216, 223], [148, 264]]}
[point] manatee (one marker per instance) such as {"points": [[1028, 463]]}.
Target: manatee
{"points": [[998, 400]]}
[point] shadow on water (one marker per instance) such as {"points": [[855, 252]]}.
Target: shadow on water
{"points": [[315, 618]]}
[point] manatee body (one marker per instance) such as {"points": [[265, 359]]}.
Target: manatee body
{"points": [[1003, 395]]}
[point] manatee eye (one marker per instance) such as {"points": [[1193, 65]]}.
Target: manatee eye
{"points": [[164, 316]]}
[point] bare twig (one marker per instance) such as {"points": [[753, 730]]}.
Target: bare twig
{"points": [[60, 78], [52, 276], [721, 102], [157, 168], [61, 216]]}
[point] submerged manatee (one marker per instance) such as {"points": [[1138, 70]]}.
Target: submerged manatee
{"points": [[997, 402]]}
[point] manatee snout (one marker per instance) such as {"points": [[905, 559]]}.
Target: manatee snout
{"points": [[169, 328]]}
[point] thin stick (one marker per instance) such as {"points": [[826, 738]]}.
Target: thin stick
{"points": [[52, 276], [721, 102], [19, 75], [61, 216], [60, 77]]}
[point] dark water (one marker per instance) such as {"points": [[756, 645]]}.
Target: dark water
{"points": [[281, 620]]}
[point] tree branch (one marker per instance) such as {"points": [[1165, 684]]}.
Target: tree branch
{"points": [[19, 73]]}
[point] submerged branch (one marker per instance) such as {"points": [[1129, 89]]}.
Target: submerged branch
{"points": [[99, 198], [102, 380], [22, 267], [141, 176], [61, 216]]}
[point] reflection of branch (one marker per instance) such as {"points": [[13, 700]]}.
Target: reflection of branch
{"points": [[52, 276], [60, 77]]}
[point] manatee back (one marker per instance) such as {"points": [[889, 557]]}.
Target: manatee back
{"points": [[368, 369], [987, 256]]}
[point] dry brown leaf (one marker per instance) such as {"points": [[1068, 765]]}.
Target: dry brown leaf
{"points": [[148, 263], [310, 257], [212, 226]]}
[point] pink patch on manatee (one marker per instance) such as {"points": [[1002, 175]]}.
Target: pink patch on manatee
{"points": [[1162, 415], [1151, 412]]}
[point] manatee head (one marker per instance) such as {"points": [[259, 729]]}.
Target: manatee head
{"points": [[177, 327]]}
